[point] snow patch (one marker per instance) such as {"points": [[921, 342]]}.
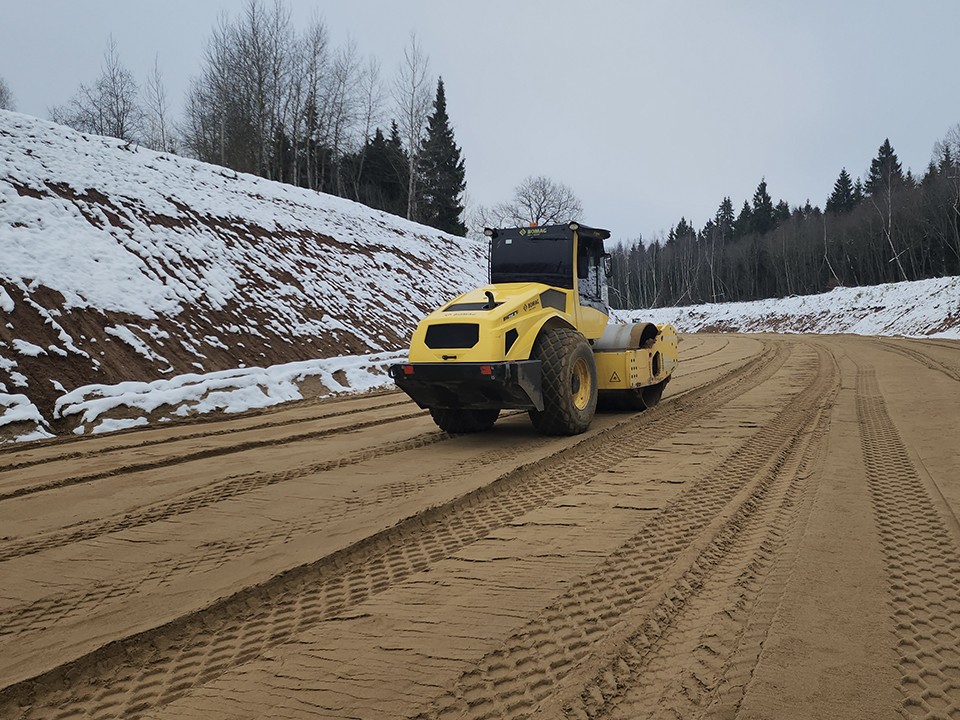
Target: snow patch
{"points": [[228, 391], [28, 349], [122, 424], [20, 420], [924, 308], [126, 335]]}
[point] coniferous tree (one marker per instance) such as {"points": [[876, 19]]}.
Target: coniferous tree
{"points": [[885, 174], [744, 222], [724, 219], [842, 199], [683, 231], [858, 192], [396, 152], [781, 212], [947, 161], [763, 219], [441, 172], [391, 173]]}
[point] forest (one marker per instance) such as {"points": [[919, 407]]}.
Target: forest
{"points": [[889, 227]]}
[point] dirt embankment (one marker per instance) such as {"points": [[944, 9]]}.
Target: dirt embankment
{"points": [[123, 264], [778, 538]]}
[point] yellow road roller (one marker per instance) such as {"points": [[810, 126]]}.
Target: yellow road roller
{"points": [[537, 338]]}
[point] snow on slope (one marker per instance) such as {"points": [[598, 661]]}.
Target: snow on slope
{"points": [[95, 408], [119, 263], [913, 309]]}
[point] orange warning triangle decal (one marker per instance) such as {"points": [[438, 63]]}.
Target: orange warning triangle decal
{"points": [[614, 378]]}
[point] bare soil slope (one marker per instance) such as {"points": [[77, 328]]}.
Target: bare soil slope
{"points": [[777, 539]]}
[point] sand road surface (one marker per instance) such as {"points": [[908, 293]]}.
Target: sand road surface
{"points": [[777, 539]]}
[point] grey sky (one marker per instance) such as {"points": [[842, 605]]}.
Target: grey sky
{"points": [[649, 111]]}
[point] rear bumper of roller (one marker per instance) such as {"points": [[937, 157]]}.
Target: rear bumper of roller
{"points": [[472, 386]]}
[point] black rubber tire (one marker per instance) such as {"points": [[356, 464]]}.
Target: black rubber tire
{"points": [[458, 421], [559, 350]]}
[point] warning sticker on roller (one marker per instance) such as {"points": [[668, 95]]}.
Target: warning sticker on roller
{"points": [[614, 378]]}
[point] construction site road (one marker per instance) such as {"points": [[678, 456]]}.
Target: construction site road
{"points": [[778, 538]]}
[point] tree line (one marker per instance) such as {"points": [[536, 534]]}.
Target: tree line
{"points": [[889, 227], [287, 105]]}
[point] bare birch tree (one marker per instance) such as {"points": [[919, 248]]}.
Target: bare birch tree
{"points": [[157, 134], [210, 114], [342, 101], [6, 97], [537, 200], [262, 39], [413, 93], [314, 62], [109, 106], [370, 95]]}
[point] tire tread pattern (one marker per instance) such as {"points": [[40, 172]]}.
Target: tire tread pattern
{"points": [[560, 416]]}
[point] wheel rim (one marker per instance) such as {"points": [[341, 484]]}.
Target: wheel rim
{"points": [[581, 384]]}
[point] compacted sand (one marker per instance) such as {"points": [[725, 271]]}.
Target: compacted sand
{"points": [[777, 539]]}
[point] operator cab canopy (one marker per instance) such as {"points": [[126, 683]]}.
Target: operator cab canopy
{"points": [[544, 254]]}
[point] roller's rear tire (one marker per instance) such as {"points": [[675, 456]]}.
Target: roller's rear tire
{"points": [[569, 382], [458, 421]]}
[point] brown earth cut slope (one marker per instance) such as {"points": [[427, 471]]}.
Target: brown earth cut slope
{"points": [[777, 539]]}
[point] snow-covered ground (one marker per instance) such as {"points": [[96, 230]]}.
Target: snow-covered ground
{"points": [[118, 263], [93, 407], [912, 309]]}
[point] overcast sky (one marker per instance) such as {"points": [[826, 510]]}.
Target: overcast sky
{"points": [[649, 111]]}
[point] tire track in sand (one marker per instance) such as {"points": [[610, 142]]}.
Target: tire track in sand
{"points": [[54, 609], [533, 665], [225, 489], [697, 658], [923, 560], [76, 448], [171, 460], [923, 358], [156, 667]]}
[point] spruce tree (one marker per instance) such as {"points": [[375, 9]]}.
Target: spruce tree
{"points": [[858, 194], [684, 230], [383, 185], [885, 171], [763, 219], [842, 198], [947, 160], [724, 218], [441, 172], [743, 225], [781, 212]]}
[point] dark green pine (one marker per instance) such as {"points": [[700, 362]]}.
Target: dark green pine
{"points": [[763, 220], [441, 171], [885, 171], [842, 199]]}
